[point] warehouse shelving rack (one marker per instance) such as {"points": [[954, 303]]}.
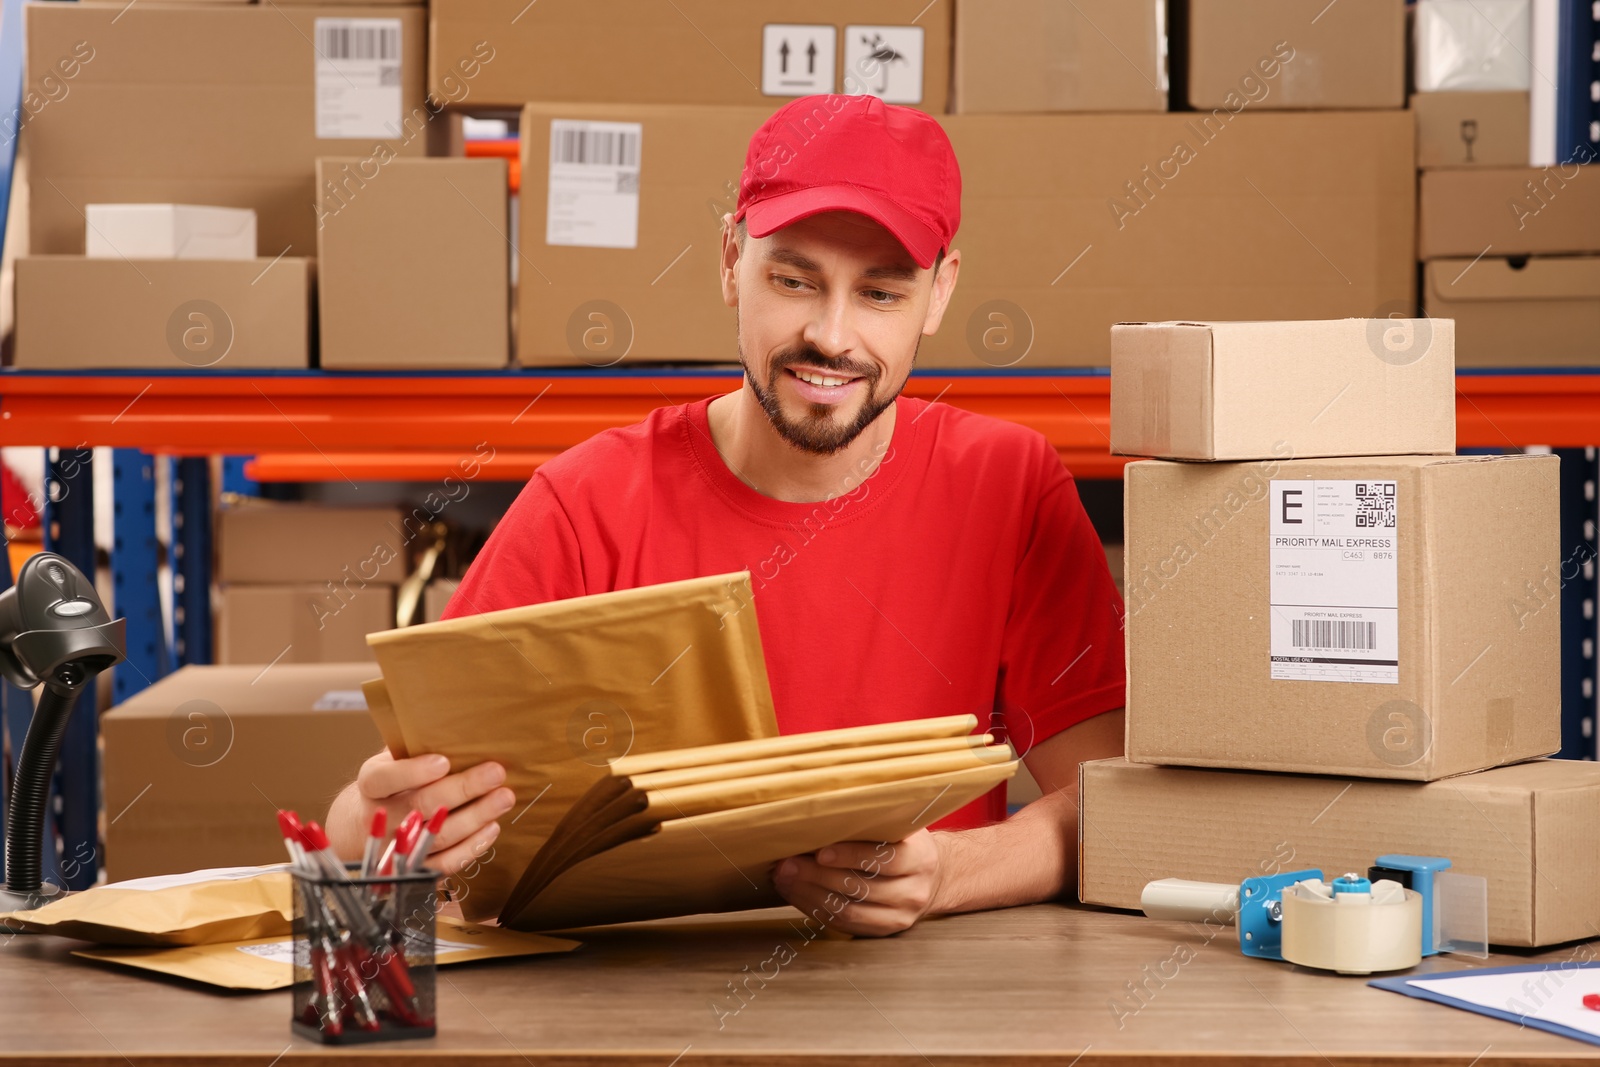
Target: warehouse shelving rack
{"points": [[325, 426]]}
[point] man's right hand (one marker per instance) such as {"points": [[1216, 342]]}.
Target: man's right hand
{"points": [[476, 799]]}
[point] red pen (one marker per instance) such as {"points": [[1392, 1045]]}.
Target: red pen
{"points": [[394, 855], [368, 943], [417, 854], [375, 836]]}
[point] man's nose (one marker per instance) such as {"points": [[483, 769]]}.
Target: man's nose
{"points": [[832, 330]]}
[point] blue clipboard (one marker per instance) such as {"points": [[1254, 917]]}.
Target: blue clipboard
{"points": [[1402, 985]]}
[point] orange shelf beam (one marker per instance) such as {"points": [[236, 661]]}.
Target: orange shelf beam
{"points": [[505, 467], [199, 414], [533, 413]]}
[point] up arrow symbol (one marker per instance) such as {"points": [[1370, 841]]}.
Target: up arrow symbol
{"points": [[783, 57]]}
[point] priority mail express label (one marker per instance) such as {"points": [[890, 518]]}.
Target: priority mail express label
{"points": [[1335, 588]]}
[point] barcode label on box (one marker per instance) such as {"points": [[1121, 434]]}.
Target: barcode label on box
{"points": [[358, 64], [594, 184], [1334, 559]]}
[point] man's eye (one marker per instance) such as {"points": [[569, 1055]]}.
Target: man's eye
{"points": [[785, 283], [879, 296]]}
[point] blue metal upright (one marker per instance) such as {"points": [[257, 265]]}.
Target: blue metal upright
{"points": [[191, 559], [75, 800], [136, 572], [1580, 476], [235, 480]]}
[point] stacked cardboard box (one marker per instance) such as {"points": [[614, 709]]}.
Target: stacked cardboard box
{"points": [[1316, 585], [1513, 255], [222, 105], [1510, 251], [305, 584]]}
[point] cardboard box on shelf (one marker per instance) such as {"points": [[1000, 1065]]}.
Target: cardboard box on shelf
{"points": [[1524, 828], [1471, 129], [1069, 224], [1472, 45], [169, 231], [1232, 390], [412, 264], [1040, 55], [285, 543], [631, 274], [756, 53], [217, 740], [173, 314], [1542, 311], [1297, 54], [1073, 222], [437, 596], [1387, 617], [1512, 211], [226, 104], [303, 623]]}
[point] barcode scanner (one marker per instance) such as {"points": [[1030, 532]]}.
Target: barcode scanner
{"points": [[55, 633]]}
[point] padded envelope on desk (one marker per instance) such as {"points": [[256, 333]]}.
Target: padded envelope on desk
{"points": [[551, 691]]}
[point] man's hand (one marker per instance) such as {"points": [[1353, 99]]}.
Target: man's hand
{"points": [[474, 796], [862, 887]]}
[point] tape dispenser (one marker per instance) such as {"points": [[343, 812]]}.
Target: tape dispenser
{"points": [[1403, 909]]}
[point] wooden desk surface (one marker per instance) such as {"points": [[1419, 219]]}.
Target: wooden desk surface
{"points": [[1030, 986]]}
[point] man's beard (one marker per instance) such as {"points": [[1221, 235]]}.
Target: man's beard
{"points": [[818, 431]]}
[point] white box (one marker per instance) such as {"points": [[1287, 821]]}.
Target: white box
{"points": [[170, 231], [1472, 45]]}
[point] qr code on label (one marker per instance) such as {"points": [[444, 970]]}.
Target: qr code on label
{"points": [[1375, 505]]}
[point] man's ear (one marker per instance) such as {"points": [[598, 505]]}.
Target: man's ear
{"points": [[730, 262], [944, 283]]}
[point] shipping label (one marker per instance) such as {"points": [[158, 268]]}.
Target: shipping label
{"points": [[1334, 594], [594, 184], [358, 78]]}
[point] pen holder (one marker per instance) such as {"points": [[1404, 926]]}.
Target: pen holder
{"points": [[364, 957]]}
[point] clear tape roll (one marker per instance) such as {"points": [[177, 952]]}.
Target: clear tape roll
{"points": [[1352, 933]]}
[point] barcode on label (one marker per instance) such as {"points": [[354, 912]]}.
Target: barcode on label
{"points": [[605, 148], [1334, 633], [1375, 505], [345, 40]]}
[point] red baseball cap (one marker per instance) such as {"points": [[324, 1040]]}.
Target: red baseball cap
{"points": [[854, 153]]}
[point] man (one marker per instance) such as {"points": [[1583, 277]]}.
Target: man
{"points": [[908, 559]]}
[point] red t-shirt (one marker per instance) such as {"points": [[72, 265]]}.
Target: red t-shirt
{"points": [[962, 577]]}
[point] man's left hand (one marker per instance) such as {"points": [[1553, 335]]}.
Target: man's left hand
{"points": [[863, 887]]}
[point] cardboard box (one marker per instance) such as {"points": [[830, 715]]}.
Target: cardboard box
{"points": [[436, 597], [1385, 617], [212, 104], [1073, 222], [1471, 129], [1346, 55], [413, 264], [1261, 390], [287, 543], [1042, 55], [169, 231], [301, 623], [1527, 829], [172, 314], [756, 52], [1543, 311], [196, 764], [1466, 45], [1512, 211], [642, 286], [1326, 232]]}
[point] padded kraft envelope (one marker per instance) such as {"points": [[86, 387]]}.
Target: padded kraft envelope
{"points": [[553, 691]]}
